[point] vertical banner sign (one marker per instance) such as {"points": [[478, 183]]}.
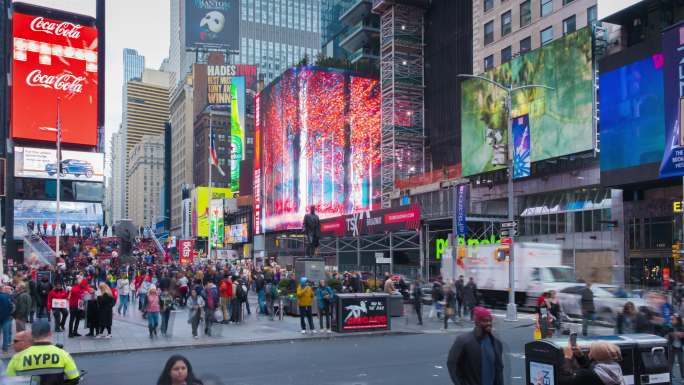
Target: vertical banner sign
{"points": [[257, 166], [673, 76], [216, 223], [219, 79], [461, 210], [185, 251], [54, 59], [237, 130], [521, 147], [212, 23]]}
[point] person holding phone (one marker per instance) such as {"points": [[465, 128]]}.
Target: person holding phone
{"points": [[599, 367]]}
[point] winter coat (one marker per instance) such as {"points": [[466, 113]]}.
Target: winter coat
{"points": [[587, 301], [470, 293], [152, 303], [105, 304], [92, 312], [304, 296], [465, 359], [590, 373], [6, 307], [460, 287], [321, 293], [56, 294], [195, 307], [23, 305]]}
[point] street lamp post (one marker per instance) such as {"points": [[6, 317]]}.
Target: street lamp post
{"points": [[58, 131], [511, 309]]}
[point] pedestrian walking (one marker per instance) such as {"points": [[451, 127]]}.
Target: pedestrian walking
{"points": [[675, 338], [324, 299], [105, 310], [212, 301], [22, 307], [476, 357], [178, 371], [260, 287], [587, 303], [437, 298], [305, 297], [272, 295], [460, 291], [152, 308], [92, 313], [226, 293], [449, 304], [6, 318], [60, 311], [76, 306], [470, 297], [123, 286], [43, 288], [195, 304], [627, 319], [166, 306], [417, 298]]}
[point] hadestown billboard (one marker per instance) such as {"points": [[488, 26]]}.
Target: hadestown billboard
{"points": [[42, 163]]}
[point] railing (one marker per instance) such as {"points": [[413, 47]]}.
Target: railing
{"points": [[37, 251], [359, 53], [156, 242]]}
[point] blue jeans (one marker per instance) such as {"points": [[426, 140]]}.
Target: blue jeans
{"points": [[123, 304], [153, 320], [261, 296], [6, 334]]}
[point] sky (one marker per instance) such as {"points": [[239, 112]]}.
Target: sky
{"points": [[139, 24]]}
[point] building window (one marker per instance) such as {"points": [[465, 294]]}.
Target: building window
{"points": [[546, 7], [506, 23], [525, 13], [566, 2], [591, 15], [489, 62], [525, 44], [506, 54], [546, 36], [489, 32], [569, 25], [488, 4]]}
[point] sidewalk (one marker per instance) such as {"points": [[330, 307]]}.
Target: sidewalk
{"points": [[130, 333]]}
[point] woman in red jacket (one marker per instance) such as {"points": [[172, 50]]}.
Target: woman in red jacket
{"points": [[76, 307], [59, 312]]}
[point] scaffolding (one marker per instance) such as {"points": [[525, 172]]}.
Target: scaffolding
{"points": [[401, 74]]}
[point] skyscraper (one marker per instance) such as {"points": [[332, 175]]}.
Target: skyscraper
{"points": [[134, 64], [349, 30], [145, 180]]}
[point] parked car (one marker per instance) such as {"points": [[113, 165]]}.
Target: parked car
{"points": [[608, 301], [71, 166]]}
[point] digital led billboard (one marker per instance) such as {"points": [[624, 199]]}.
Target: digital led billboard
{"points": [[632, 119], [319, 137], [54, 60], [42, 163], [79, 213], [212, 23], [560, 120], [201, 213], [237, 129]]}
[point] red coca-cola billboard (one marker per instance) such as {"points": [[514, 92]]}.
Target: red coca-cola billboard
{"points": [[54, 59], [186, 248]]}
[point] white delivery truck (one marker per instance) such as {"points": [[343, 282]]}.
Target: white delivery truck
{"points": [[538, 268]]}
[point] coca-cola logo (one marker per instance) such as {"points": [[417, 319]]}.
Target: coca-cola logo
{"points": [[64, 29], [63, 82]]}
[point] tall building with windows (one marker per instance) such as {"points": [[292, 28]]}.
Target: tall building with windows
{"points": [[349, 30], [504, 28], [134, 64], [146, 178], [116, 191]]}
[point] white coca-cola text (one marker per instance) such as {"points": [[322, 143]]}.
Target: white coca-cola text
{"points": [[62, 82], [65, 29]]}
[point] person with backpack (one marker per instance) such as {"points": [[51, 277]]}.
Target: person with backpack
{"points": [[212, 300], [271, 294], [166, 305], [235, 305], [43, 289], [324, 300]]}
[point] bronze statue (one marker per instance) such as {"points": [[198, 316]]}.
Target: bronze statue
{"points": [[312, 229]]}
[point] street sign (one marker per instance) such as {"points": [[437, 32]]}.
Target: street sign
{"points": [[506, 241], [508, 233], [509, 225], [380, 259]]}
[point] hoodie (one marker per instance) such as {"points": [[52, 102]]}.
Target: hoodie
{"points": [[610, 373]]}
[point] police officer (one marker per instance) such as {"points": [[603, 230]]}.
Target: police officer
{"points": [[43, 360]]}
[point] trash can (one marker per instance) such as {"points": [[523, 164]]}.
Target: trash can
{"points": [[396, 305], [544, 358], [651, 358], [361, 312]]}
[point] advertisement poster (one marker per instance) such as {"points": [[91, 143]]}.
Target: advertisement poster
{"points": [[521, 147], [560, 120], [364, 314], [320, 145], [186, 248], [39, 212], [216, 223], [219, 84], [462, 209], [256, 182], [212, 23], [237, 130], [42, 163], [673, 51], [373, 222], [541, 374], [200, 207], [54, 59], [237, 233]]}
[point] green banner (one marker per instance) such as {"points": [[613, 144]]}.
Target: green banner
{"points": [[237, 130]]}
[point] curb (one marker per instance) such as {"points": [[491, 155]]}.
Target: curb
{"points": [[247, 343]]}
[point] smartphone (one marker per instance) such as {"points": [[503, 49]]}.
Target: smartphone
{"points": [[573, 340]]}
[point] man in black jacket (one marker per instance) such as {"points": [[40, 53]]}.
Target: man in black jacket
{"points": [[476, 358]]}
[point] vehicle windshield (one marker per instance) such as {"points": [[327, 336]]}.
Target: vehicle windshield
{"points": [[560, 274]]}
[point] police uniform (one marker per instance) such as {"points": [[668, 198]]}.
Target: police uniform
{"points": [[53, 365]]}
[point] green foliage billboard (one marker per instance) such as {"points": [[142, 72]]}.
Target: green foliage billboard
{"points": [[560, 119]]}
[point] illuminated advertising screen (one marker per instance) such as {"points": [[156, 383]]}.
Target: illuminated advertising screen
{"points": [[560, 120], [200, 208], [219, 84], [632, 119], [237, 233], [237, 130], [39, 212], [212, 23], [319, 132], [54, 60], [42, 163]]}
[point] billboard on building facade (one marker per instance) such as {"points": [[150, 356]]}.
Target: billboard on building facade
{"points": [[39, 212], [373, 222], [319, 132], [54, 60], [673, 74], [256, 177], [41, 163], [560, 120], [219, 79], [237, 130], [237, 233], [632, 117], [186, 249], [212, 23], [200, 207], [216, 229]]}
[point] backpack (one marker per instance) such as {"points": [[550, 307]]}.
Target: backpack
{"points": [[241, 293]]}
